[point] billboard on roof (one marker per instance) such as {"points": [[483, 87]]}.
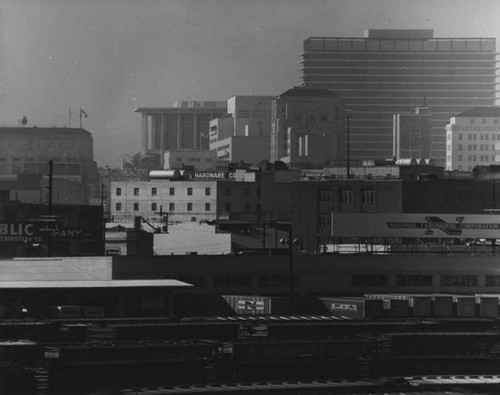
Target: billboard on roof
{"points": [[461, 226]]}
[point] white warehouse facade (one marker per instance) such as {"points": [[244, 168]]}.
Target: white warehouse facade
{"points": [[471, 138], [181, 201]]}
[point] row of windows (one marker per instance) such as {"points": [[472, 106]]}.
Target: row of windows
{"points": [[473, 158], [347, 195], [154, 206], [311, 118], [473, 147], [455, 280], [189, 191], [189, 207], [171, 191], [474, 136]]}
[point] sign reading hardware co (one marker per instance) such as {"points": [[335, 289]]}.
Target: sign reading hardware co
{"points": [[454, 226]]}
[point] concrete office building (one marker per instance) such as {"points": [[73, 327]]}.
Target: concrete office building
{"points": [[392, 71], [24, 156], [307, 128], [471, 138], [183, 126], [243, 134], [412, 134]]}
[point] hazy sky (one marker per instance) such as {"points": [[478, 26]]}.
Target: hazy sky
{"points": [[110, 56]]}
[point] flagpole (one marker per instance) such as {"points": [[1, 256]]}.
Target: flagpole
{"points": [[69, 118]]}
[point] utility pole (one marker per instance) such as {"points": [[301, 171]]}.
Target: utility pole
{"points": [[348, 153], [103, 224], [49, 233], [290, 242]]}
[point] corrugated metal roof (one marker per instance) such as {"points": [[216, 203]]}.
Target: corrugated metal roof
{"points": [[92, 284]]}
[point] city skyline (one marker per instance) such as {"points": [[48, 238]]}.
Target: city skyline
{"points": [[111, 57]]}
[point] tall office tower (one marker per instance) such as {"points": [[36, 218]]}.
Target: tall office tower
{"points": [[307, 128], [183, 126], [392, 71], [412, 134]]}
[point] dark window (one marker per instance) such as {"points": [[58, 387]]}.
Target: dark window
{"points": [[325, 195], [325, 219], [370, 280], [458, 280], [118, 207], [247, 192], [190, 191], [136, 206], [190, 207], [368, 195], [347, 196], [153, 191], [227, 207], [414, 280], [247, 207], [492, 281], [207, 206], [323, 117], [172, 191], [228, 191], [232, 281], [207, 191], [171, 206], [118, 191], [153, 206], [136, 191], [277, 280]]}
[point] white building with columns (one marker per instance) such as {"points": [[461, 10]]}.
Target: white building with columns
{"points": [[183, 126]]}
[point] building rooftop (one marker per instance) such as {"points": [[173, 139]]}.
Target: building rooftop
{"points": [[34, 129], [92, 284], [306, 91], [176, 110], [484, 112], [399, 33], [55, 269]]}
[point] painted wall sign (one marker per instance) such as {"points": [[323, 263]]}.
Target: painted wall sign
{"points": [[463, 226]]}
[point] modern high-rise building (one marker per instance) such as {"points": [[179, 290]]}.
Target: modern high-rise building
{"points": [[393, 71], [412, 134], [471, 138], [183, 126], [308, 128]]}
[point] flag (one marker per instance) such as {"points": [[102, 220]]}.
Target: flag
{"points": [[85, 115]]}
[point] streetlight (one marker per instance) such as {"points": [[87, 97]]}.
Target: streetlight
{"points": [[290, 242]]}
